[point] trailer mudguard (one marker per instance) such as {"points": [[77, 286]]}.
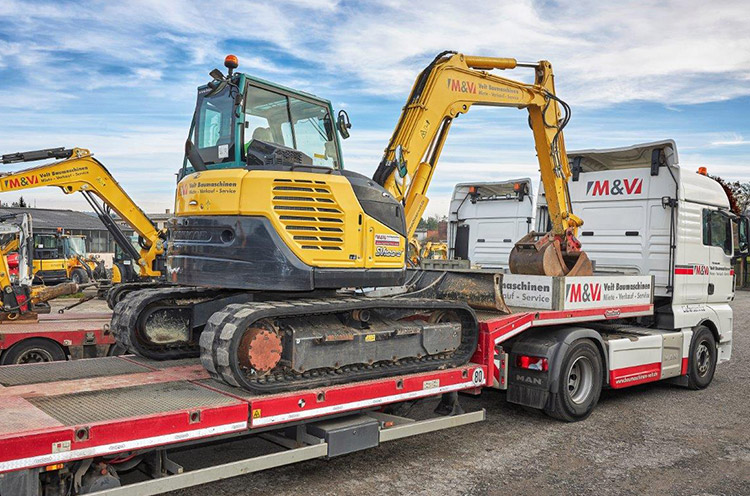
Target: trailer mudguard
{"points": [[534, 388]]}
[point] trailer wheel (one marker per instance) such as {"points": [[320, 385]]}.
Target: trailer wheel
{"points": [[79, 276], [702, 360], [33, 350], [579, 383]]}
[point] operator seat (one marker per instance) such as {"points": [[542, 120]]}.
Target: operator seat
{"points": [[263, 134]]}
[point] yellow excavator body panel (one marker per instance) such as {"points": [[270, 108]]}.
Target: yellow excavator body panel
{"points": [[317, 215]]}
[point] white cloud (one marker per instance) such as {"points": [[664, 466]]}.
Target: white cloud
{"points": [[733, 140]]}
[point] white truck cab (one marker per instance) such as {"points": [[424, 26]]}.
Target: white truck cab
{"points": [[644, 214], [486, 219]]}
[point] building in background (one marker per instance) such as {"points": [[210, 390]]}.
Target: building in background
{"points": [[49, 221]]}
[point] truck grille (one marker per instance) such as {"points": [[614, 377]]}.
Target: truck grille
{"points": [[308, 211]]}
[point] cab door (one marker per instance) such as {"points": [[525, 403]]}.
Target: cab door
{"points": [[719, 237]]}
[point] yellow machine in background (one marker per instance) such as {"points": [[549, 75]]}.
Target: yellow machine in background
{"points": [[78, 171], [430, 250], [63, 257]]}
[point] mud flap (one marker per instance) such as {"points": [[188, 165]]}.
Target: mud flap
{"points": [[481, 289]]}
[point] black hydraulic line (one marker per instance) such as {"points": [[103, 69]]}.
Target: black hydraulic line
{"points": [[122, 241], [385, 168], [56, 153]]}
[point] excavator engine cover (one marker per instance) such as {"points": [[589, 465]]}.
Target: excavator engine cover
{"points": [[544, 256]]}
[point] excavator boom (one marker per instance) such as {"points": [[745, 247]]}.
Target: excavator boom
{"points": [[449, 87], [76, 170]]}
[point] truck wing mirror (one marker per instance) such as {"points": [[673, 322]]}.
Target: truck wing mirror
{"points": [[744, 231]]}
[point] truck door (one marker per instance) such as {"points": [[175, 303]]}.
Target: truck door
{"points": [[717, 234]]}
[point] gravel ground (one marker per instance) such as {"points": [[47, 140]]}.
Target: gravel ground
{"points": [[652, 439]]}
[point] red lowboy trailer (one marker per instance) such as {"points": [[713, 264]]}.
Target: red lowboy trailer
{"points": [[75, 427]]}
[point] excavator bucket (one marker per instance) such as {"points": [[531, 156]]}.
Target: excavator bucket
{"points": [[543, 256], [482, 290]]}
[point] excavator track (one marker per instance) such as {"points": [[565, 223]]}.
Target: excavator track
{"points": [[223, 335], [130, 315], [118, 292]]}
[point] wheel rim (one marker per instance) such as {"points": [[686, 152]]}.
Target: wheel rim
{"points": [[580, 379], [702, 358], [35, 355]]}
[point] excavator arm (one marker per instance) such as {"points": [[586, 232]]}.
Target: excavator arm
{"points": [[76, 170], [449, 87]]}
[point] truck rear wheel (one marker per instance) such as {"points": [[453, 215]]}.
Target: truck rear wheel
{"points": [[702, 360], [33, 350], [579, 383]]}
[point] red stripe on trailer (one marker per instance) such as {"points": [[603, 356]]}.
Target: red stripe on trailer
{"points": [[288, 407], [632, 376], [680, 271]]}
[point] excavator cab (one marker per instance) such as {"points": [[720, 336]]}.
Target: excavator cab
{"points": [[245, 122]]}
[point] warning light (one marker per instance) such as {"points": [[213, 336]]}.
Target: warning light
{"points": [[702, 171], [231, 63], [516, 186], [472, 189]]}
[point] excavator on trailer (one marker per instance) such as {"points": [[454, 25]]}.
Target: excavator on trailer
{"points": [[270, 228], [76, 170]]}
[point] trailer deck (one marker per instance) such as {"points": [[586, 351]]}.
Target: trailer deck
{"points": [[109, 405]]}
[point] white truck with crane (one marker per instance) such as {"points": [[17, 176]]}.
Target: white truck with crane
{"points": [[561, 339]]}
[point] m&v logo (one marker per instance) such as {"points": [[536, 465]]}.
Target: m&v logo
{"points": [[20, 182], [617, 187], [578, 293], [462, 86]]}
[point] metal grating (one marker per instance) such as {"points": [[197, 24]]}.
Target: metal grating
{"points": [[223, 386], [99, 406], [161, 365], [17, 375]]}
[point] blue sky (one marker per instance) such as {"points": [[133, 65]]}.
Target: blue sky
{"points": [[119, 77]]}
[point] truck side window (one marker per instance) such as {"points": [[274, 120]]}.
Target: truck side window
{"points": [[717, 230]]}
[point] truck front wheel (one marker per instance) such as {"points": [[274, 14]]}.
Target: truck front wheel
{"points": [[579, 383], [702, 361]]}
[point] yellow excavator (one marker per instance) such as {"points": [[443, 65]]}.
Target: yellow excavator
{"points": [[20, 300], [76, 170], [270, 228]]}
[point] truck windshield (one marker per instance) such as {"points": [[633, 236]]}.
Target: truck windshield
{"points": [[292, 122], [214, 126]]}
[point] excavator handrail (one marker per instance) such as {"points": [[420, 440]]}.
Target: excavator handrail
{"points": [[76, 170]]}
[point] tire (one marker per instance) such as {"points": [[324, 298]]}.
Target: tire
{"points": [[33, 351], [702, 359], [579, 383], [79, 276]]}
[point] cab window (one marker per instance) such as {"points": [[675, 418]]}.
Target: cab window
{"points": [[284, 120], [717, 230], [313, 132]]}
